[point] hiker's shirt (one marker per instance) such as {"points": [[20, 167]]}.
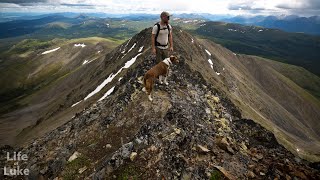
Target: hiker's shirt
{"points": [[163, 35]]}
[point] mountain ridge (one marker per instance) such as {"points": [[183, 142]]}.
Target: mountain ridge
{"points": [[195, 126]]}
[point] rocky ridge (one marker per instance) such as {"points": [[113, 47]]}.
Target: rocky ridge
{"points": [[189, 131]]}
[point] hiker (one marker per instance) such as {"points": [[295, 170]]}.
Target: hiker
{"points": [[162, 37]]}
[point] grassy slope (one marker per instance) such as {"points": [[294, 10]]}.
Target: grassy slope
{"points": [[298, 75], [289, 48], [293, 48], [15, 82], [18, 53], [283, 104], [265, 93]]}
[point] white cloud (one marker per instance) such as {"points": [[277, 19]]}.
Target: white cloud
{"points": [[129, 6], [266, 7], [9, 5], [300, 4]]}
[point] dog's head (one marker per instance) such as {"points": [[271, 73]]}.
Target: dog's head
{"points": [[174, 59]]}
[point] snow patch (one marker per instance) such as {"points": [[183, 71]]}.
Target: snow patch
{"points": [[76, 103], [107, 93], [52, 50], [141, 48], [124, 50], [234, 30], [234, 54], [208, 52], [87, 61], [104, 83], [134, 45], [82, 45], [260, 30], [210, 62], [130, 62], [120, 79], [192, 40], [218, 73], [111, 76]]}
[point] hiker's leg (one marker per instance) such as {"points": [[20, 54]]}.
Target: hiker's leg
{"points": [[164, 53], [158, 55]]}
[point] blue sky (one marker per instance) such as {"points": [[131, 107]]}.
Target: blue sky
{"points": [[232, 7]]}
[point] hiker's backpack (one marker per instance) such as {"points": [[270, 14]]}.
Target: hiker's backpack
{"points": [[155, 40]]}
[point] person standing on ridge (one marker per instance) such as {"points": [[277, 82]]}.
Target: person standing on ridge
{"points": [[162, 37]]}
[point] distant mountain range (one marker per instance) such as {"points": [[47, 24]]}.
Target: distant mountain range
{"points": [[292, 23], [59, 26], [293, 48], [289, 23]]}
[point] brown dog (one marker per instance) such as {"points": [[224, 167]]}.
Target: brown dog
{"points": [[161, 70]]}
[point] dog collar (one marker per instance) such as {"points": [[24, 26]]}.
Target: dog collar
{"points": [[167, 61]]}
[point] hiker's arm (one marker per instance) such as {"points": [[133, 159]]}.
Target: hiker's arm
{"points": [[152, 41], [171, 41]]}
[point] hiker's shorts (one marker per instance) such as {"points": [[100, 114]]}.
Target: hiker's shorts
{"points": [[161, 54]]}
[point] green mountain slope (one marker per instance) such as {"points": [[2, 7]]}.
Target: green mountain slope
{"points": [[36, 84], [292, 48]]}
